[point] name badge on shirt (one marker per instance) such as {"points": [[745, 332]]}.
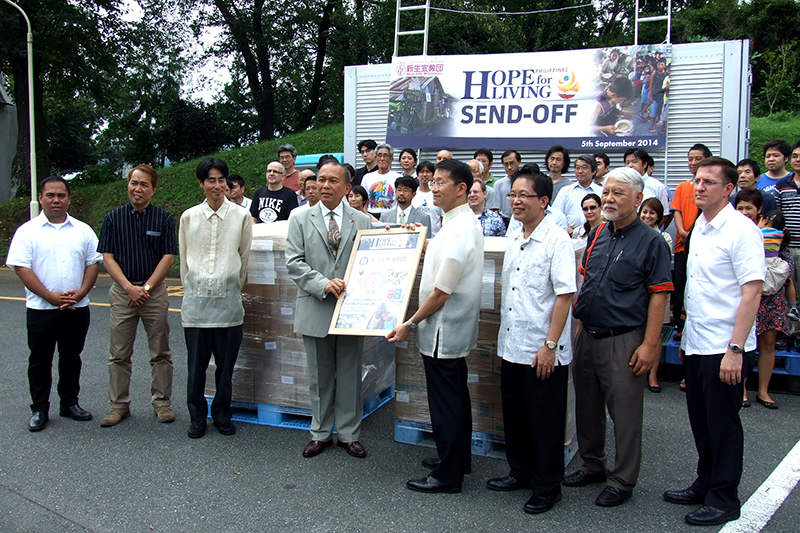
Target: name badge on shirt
{"points": [[153, 233]]}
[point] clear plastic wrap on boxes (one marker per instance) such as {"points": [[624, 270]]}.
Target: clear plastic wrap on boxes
{"points": [[272, 366]]}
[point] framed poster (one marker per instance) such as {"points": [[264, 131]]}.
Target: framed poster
{"points": [[379, 279]]}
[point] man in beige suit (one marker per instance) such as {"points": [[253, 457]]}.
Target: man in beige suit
{"points": [[318, 248]]}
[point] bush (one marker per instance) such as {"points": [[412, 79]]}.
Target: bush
{"points": [[96, 175]]}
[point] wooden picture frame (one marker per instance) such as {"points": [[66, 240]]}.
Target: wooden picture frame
{"points": [[380, 276]]}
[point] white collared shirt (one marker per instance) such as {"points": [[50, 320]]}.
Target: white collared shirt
{"points": [[553, 215], [453, 264], [338, 214], [57, 254], [536, 271], [569, 201], [406, 212], [724, 254], [655, 189], [214, 248]]}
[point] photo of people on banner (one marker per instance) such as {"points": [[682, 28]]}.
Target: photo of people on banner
{"points": [[609, 98]]}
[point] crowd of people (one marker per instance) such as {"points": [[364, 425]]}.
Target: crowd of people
{"points": [[741, 272]]}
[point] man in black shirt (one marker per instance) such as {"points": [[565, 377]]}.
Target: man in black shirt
{"points": [[138, 245], [273, 202], [621, 308], [367, 150]]}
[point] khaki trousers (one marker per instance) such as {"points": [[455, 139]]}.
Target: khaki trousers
{"points": [[334, 381], [603, 380], [124, 321]]}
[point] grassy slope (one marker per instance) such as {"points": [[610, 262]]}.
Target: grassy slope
{"points": [[177, 185], [764, 129]]}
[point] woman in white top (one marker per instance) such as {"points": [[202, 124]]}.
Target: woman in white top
{"points": [[591, 205], [408, 160], [358, 200]]}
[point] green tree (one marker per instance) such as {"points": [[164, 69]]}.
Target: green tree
{"points": [[72, 59], [780, 76]]}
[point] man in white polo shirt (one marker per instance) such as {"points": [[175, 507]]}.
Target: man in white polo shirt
{"points": [[569, 201], [56, 258], [725, 277], [447, 317]]}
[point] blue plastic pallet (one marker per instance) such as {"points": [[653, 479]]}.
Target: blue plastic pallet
{"points": [[786, 363], [483, 444], [264, 414]]}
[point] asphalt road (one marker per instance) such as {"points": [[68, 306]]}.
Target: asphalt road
{"points": [[146, 476]]}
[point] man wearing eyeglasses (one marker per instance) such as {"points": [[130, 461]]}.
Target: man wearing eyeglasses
{"points": [[447, 319], [367, 150], [571, 197], [621, 308], [380, 184], [287, 155], [273, 202], [723, 290]]}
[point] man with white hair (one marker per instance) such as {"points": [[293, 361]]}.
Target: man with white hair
{"points": [[380, 184], [621, 308]]}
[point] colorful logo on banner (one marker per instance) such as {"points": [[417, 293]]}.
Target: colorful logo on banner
{"points": [[568, 86], [580, 99]]}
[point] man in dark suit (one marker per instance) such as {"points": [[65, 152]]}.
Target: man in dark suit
{"points": [[405, 189], [318, 248]]}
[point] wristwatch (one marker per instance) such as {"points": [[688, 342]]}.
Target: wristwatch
{"points": [[550, 344], [147, 287], [735, 348], [411, 325]]}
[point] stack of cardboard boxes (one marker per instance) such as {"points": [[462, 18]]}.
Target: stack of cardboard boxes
{"points": [[271, 367]]}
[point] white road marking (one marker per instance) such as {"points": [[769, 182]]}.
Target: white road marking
{"points": [[758, 510]]}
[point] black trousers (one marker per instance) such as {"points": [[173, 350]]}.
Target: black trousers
{"points": [[201, 343], [47, 328], [714, 416], [534, 413], [451, 416], [679, 282]]}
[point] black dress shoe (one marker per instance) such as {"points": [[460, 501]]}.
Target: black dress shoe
{"points": [[710, 516], [433, 462], [355, 448], [612, 496], [431, 485], [75, 412], [579, 478], [38, 421], [684, 497], [540, 504], [506, 484], [197, 430], [226, 428], [316, 447]]}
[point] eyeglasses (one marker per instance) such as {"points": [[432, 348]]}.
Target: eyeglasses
{"points": [[707, 183], [587, 208], [511, 196], [438, 184], [273, 171]]}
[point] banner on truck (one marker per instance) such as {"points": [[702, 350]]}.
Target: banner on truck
{"points": [[597, 99]]}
